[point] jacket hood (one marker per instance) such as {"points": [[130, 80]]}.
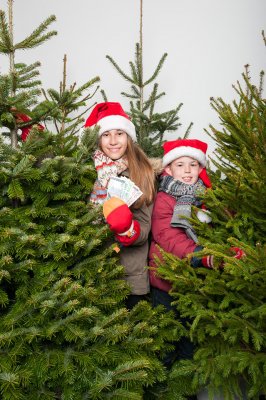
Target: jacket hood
{"points": [[157, 165]]}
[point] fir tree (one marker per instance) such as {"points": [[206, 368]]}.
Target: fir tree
{"points": [[227, 305], [66, 104], [150, 125], [64, 330], [20, 88]]}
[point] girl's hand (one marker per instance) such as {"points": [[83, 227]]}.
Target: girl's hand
{"points": [[120, 221]]}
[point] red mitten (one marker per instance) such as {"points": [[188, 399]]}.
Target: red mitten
{"points": [[117, 215], [239, 253], [208, 261], [120, 220]]}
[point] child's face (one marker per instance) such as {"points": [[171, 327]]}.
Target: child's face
{"points": [[114, 143], [185, 169]]}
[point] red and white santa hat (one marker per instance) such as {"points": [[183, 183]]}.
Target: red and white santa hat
{"points": [[187, 147], [108, 116]]}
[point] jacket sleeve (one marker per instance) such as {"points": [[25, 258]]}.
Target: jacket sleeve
{"points": [[172, 240], [143, 216]]}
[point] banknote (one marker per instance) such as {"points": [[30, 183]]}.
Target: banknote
{"points": [[123, 188]]}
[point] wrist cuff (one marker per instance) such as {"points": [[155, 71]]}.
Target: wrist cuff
{"points": [[207, 261], [130, 232], [128, 240]]}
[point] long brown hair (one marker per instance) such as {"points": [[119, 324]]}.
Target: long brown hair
{"points": [[140, 172]]}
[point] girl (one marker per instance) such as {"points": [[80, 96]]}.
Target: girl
{"points": [[119, 155]]}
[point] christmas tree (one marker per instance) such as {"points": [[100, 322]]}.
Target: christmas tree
{"points": [[20, 88], [226, 305], [151, 126], [64, 330]]}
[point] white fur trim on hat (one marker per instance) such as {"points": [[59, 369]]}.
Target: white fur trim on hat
{"points": [[117, 122], [183, 151]]}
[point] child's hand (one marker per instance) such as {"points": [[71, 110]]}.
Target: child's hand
{"points": [[120, 220], [208, 261], [239, 253], [117, 215]]}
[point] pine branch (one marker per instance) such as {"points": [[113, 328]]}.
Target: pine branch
{"points": [[157, 70], [37, 37], [5, 38], [119, 69]]}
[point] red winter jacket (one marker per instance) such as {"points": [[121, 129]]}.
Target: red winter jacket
{"points": [[172, 240]]}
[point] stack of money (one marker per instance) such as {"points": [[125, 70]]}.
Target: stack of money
{"points": [[124, 189]]}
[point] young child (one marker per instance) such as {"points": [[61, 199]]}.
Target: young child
{"points": [[182, 185], [119, 155]]}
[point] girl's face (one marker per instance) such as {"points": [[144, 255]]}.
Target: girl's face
{"points": [[185, 169], [114, 143]]}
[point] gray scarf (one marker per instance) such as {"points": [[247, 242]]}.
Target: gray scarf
{"points": [[186, 196]]}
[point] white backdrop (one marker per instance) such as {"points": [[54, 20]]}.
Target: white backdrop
{"points": [[208, 43]]}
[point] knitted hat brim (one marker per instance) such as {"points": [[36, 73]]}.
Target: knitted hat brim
{"points": [[117, 122], [183, 151]]}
